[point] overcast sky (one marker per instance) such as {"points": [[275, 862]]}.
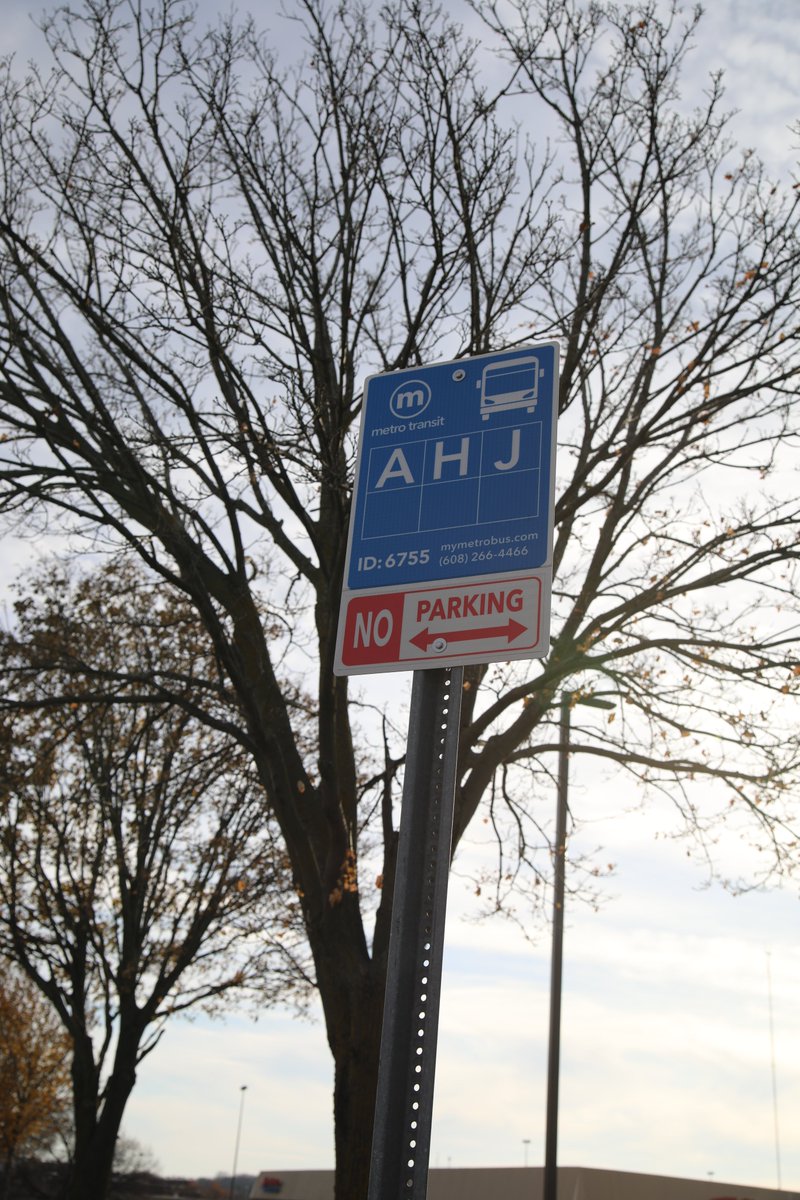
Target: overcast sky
{"points": [[667, 1057], [666, 1050]]}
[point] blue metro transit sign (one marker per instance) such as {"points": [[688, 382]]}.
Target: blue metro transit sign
{"points": [[454, 487]]}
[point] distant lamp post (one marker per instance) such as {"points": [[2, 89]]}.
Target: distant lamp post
{"points": [[242, 1091], [526, 1142], [774, 1077], [554, 1048]]}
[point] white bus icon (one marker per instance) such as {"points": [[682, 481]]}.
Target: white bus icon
{"points": [[513, 383]]}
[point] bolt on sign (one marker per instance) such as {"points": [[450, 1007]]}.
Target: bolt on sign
{"points": [[449, 557]]}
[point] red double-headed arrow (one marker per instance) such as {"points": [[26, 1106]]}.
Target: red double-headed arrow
{"points": [[511, 630]]}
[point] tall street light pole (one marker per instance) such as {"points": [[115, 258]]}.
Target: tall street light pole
{"points": [[242, 1091], [554, 1044]]}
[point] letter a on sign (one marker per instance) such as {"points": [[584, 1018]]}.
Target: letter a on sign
{"points": [[396, 468]]}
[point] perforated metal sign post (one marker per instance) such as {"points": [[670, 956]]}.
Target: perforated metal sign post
{"points": [[404, 1103], [449, 557]]}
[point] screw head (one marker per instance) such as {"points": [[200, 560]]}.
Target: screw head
{"points": [[439, 645], [459, 375]]}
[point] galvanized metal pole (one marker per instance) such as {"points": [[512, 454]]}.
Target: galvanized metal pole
{"points": [[774, 1077], [404, 1102], [553, 1057], [242, 1091]]}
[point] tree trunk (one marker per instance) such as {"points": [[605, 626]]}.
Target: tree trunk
{"points": [[8, 1170], [355, 1083], [351, 987], [95, 1140], [90, 1177]]}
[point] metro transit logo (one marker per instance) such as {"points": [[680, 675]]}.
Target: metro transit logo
{"points": [[410, 398]]}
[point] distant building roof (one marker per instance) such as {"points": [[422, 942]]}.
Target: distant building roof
{"points": [[525, 1183]]}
